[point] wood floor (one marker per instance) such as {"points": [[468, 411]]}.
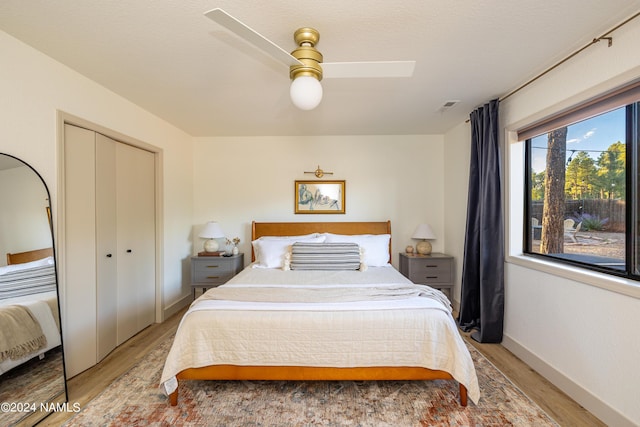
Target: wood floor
{"points": [[87, 385], [551, 399]]}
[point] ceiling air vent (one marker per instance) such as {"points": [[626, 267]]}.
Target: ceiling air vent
{"points": [[447, 105]]}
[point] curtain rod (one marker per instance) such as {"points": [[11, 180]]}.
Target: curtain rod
{"points": [[605, 36]]}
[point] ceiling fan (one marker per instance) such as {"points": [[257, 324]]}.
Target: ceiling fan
{"points": [[304, 62]]}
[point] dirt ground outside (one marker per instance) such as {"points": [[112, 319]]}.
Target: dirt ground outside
{"points": [[600, 243]]}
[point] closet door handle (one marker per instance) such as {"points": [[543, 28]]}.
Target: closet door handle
{"points": [[109, 255]]}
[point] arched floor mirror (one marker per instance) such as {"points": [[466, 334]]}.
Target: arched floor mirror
{"points": [[32, 373]]}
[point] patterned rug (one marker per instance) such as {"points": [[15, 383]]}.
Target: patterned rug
{"points": [[135, 399], [30, 384]]}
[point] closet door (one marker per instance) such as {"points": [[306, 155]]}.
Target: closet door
{"points": [[109, 290], [135, 188], [79, 289], [107, 258]]}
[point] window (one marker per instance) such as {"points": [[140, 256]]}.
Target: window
{"points": [[582, 204]]}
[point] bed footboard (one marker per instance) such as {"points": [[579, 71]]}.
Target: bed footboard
{"points": [[300, 373]]}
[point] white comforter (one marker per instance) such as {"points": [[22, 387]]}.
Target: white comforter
{"points": [[412, 331]]}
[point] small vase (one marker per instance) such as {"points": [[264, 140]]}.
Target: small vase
{"points": [[234, 251]]}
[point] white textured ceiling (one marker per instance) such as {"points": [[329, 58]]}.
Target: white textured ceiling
{"points": [[167, 57]]}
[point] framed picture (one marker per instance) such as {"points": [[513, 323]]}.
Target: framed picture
{"points": [[319, 197]]}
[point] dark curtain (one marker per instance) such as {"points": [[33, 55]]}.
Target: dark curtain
{"points": [[482, 299]]}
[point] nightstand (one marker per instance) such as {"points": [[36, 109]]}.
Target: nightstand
{"points": [[435, 270], [211, 271]]}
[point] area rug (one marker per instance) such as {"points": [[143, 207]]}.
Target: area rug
{"points": [[135, 399], [27, 385]]}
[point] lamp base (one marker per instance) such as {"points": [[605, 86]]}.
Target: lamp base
{"points": [[423, 248], [211, 245]]}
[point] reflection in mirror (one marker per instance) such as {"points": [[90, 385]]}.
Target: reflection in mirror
{"points": [[32, 377]]}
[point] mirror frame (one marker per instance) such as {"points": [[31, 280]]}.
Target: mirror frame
{"points": [[59, 401]]}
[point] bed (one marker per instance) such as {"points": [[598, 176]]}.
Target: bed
{"points": [[278, 320], [29, 321]]}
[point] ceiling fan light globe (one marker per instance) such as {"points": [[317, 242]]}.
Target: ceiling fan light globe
{"points": [[306, 92]]}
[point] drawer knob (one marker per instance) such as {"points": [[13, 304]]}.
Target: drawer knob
{"points": [[213, 277], [212, 266]]}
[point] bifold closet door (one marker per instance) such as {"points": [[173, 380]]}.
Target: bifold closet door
{"points": [[79, 285], [135, 188], [107, 257], [109, 288]]}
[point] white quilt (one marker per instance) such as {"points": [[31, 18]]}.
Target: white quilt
{"points": [[414, 331]]}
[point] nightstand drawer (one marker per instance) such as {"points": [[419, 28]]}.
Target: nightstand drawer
{"points": [[212, 271], [428, 278], [430, 271], [214, 278], [215, 270]]}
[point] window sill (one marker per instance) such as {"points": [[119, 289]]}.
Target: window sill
{"points": [[600, 280]]}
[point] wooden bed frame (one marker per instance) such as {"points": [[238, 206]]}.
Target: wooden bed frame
{"points": [[305, 373], [28, 256]]}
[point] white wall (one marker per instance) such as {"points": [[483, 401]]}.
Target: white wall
{"points": [[456, 160], [562, 321], [397, 178], [34, 88]]}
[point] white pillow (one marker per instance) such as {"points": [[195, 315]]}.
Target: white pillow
{"points": [[374, 246], [256, 245], [270, 251]]}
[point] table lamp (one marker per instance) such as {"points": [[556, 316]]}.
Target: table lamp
{"points": [[211, 232], [422, 233]]}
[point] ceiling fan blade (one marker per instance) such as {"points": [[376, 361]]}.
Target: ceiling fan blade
{"points": [[332, 70], [258, 40]]}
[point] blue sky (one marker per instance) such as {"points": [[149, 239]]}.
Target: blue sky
{"points": [[592, 135]]}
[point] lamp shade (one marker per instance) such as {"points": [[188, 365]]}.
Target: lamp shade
{"points": [[306, 92], [423, 231], [210, 232]]}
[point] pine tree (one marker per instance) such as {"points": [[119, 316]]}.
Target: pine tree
{"points": [[552, 239]]}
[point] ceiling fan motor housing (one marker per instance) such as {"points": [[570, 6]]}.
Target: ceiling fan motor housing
{"points": [[306, 38]]}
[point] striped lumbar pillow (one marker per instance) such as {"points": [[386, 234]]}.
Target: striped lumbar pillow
{"points": [[323, 256], [29, 281]]}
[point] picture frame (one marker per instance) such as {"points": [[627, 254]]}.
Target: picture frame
{"points": [[319, 197]]}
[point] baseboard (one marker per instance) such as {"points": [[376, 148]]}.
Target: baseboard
{"points": [[593, 404], [177, 306], [456, 305]]}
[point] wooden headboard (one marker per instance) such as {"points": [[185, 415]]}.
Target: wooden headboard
{"points": [[259, 229], [28, 256]]}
